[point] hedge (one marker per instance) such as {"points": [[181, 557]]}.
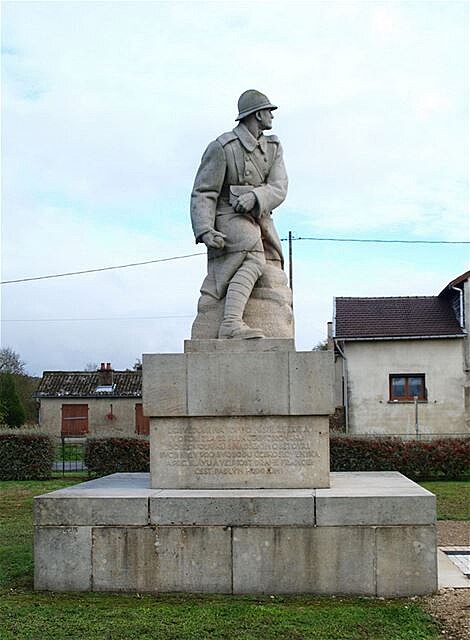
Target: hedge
{"points": [[112, 455], [443, 459], [25, 456]]}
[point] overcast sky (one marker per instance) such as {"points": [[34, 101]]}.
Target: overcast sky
{"points": [[107, 109]]}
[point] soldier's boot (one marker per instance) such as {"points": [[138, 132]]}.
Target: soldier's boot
{"points": [[238, 292]]}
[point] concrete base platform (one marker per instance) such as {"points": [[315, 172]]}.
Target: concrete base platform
{"points": [[369, 534], [450, 575]]}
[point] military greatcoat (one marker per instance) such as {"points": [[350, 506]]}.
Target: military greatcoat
{"points": [[238, 162]]}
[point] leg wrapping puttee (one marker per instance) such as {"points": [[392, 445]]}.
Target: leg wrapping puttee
{"points": [[238, 293]]}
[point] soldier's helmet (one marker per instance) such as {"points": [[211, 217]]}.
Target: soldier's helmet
{"points": [[251, 101]]}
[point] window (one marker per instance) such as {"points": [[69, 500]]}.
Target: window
{"points": [[142, 423], [406, 386], [74, 419]]}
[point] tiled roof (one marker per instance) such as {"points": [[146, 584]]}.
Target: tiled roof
{"points": [[395, 317], [454, 283], [81, 384]]}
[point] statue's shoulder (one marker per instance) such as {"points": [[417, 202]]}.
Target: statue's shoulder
{"points": [[273, 139], [227, 137]]}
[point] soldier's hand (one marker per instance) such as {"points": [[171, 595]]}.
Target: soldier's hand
{"points": [[214, 239], [246, 202]]}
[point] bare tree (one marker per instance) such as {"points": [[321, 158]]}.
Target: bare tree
{"points": [[10, 362], [91, 366], [322, 345]]}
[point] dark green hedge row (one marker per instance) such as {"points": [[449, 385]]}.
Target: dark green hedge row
{"points": [[446, 458], [112, 455], [25, 456]]}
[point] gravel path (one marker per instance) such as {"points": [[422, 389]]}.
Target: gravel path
{"points": [[453, 532], [451, 607]]}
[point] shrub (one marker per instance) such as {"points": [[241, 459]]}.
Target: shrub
{"points": [[12, 412], [444, 459], [25, 456], [112, 455]]}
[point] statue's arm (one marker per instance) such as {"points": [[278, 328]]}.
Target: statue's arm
{"points": [[273, 193], [207, 186]]}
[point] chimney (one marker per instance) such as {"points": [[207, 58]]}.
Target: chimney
{"points": [[331, 343], [106, 375]]}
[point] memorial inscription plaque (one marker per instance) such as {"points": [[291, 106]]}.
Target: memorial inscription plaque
{"points": [[250, 452]]}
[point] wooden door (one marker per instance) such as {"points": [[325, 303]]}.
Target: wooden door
{"points": [[74, 419], [142, 423]]}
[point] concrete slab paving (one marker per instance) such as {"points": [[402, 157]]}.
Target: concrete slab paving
{"points": [[449, 574]]}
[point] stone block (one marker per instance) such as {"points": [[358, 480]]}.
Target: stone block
{"points": [[311, 382], [252, 383], [239, 346], [118, 499], [84, 510], [238, 377], [322, 560], [233, 507], [362, 544], [374, 498], [62, 558], [406, 561], [265, 452], [164, 384], [190, 559]]}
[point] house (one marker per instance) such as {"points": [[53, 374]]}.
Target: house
{"points": [[92, 403], [402, 363]]}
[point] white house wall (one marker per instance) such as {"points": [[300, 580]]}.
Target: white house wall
{"points": [[371, 362]]}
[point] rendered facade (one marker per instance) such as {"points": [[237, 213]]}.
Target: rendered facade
{"points": [[99, 403], [402, 363]]}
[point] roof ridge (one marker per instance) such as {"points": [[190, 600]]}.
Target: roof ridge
{"points": [[386, 297], [91, 372]]}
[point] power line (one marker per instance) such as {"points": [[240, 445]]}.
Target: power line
{"points": [[119, 266], [96, 319], [191, 255], [379, 240]]}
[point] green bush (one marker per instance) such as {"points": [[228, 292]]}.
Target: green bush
{"points": [[12, 412], [443, 459], [25, 456], [113, 455]]}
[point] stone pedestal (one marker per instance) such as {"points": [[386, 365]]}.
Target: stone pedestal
{"points": [[239, 414], [369, 534], [239, 498]]}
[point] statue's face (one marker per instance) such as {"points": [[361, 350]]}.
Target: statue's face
{"points": [[265, 119]]}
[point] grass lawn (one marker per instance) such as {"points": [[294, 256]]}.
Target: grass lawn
{"points": [[453, 498], [26, 615]]}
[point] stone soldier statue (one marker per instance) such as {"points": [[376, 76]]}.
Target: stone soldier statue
{"points": [[240, 181]]}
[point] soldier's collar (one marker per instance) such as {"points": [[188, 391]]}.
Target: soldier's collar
{"points": [[248, 140]]}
